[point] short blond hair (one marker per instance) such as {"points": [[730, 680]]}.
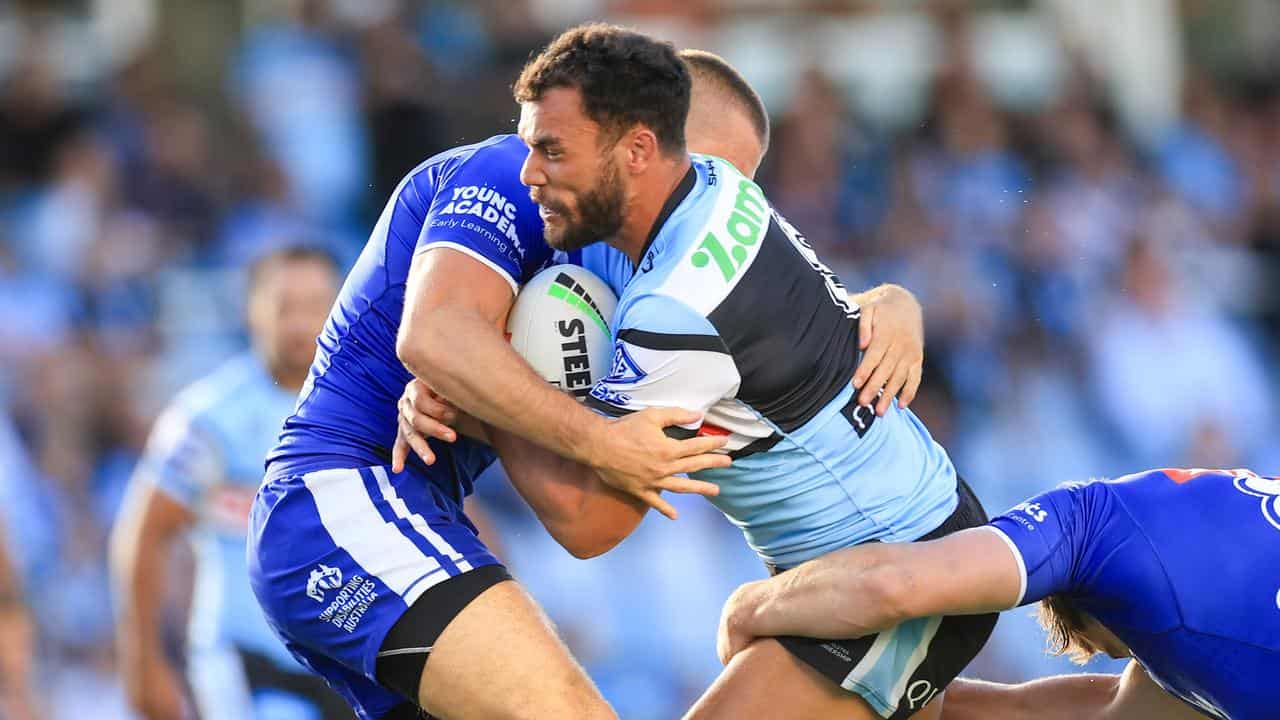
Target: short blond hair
{"points": [[716, 70]]}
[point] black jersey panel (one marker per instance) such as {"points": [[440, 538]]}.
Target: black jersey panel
{"points": [[795, 348]]}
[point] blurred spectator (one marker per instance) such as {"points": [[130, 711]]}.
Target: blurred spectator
{"points": [[299, 85], [1077, 229], [826, 173], [1170, 374], [405, 125], [1195, 158], [36, 114]]}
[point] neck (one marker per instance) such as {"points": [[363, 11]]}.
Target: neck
{"points": [[645, 205]]}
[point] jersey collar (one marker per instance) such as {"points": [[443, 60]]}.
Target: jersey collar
{"points": [[673, 201]]}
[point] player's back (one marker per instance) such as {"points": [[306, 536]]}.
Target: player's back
{"points": [[1186, 570], [346, 410], [206, 454], [764, 338]]}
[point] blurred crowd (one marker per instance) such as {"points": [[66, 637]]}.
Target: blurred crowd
{"points": [[1098, 301]]}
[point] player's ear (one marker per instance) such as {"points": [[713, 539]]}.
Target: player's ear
{"points": [[641, 147]]}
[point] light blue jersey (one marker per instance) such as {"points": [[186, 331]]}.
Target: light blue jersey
{"points": [[206, 453], [730, 312]]}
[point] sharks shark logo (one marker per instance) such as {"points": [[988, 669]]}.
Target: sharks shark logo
{"points": [[624, 370], [1268, 489], [323, 578]]}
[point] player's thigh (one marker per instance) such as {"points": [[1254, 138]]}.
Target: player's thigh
{"points": [[500, 657], [765, 680], [362, 573]]}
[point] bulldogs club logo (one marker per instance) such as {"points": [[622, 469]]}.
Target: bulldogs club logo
{"points": [[1268, 489], [323, 578]]}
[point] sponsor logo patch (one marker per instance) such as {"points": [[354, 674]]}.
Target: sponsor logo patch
{"points": [[323, 578], [624, 371], [568, 290], [350, 604], [1268, 489], [744, 227], [602, 393]]}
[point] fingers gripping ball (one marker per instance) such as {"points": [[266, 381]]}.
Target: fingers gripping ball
{"points": [[560, 325]]}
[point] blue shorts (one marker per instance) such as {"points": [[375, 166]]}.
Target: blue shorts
{"points": [[337, 556]]}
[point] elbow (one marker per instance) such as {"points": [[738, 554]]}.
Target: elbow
{"points": [[586, 545], [421, 346]]}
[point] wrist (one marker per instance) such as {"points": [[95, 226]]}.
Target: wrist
{"points": [[588, 442]]}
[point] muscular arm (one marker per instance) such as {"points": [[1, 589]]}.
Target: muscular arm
{"points": [[872, 587], [1129, 696], [141, 543], [450, 336], [587, 517]]}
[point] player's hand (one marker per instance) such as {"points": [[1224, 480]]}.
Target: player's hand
{"points": [[635, 456], [421, 414], [891, 336], [155, 692], [735, 632]]}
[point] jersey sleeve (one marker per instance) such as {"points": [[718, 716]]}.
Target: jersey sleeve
{"points": [[665, 355], [1050, 535], [480, 208], [181, 458]]}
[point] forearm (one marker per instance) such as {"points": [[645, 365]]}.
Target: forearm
{"points": [[137, 568], [835, 596], [1066, 697], [874, 586], [461, 355], [583, 514]]}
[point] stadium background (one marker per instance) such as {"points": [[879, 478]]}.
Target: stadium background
{"points": [[1086, 200]]}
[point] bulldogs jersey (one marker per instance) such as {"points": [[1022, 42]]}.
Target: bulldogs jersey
{"points": [[469, 199], [1182, 565]]}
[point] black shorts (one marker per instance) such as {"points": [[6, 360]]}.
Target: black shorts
{"points": [[404, 651], [887, 669]]}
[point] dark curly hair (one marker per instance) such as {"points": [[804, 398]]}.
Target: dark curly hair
{"points": [[625, 77]]}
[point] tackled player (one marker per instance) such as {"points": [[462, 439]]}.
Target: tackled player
{"points": [[711, 285], [366, 571]]}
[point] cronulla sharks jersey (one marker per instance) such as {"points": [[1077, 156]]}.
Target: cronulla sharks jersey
{"points": [[730, 312], [205, 453]]}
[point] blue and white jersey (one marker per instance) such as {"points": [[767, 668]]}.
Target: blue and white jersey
{"points": [[1182, 565], [730, 312], [469, 199], [205, 452]]}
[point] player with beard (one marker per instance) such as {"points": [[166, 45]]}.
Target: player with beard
{"points": [[713, 286], [368, 571]]}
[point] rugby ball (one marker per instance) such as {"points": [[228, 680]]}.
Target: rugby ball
{"points": [[560, 325]]}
